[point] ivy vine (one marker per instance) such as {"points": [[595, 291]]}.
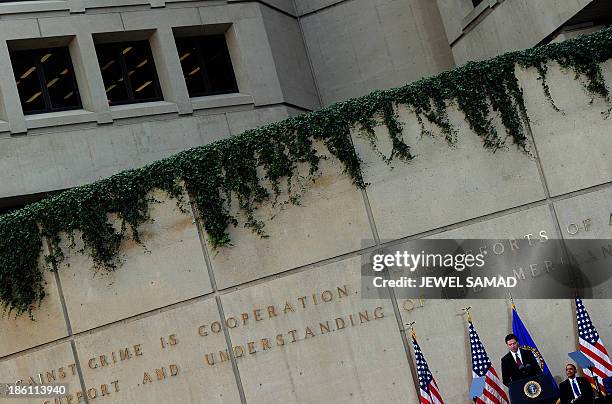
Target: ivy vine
{"points": [[231, 169]]}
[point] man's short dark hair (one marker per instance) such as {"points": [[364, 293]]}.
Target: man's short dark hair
{"points": [[509, 337], [572, 365]]}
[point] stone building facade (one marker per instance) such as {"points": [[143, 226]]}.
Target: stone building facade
{"points": [[287, 57], [281, 319]]}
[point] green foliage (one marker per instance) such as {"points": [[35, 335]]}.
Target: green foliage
{"points": [[236, 169]]}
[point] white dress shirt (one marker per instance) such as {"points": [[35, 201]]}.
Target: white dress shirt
{"points": [[572, 387]]}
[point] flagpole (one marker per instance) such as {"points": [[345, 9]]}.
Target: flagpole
{"points": [[412, 356]]}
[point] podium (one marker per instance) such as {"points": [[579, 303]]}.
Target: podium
{"points": [[533, 389]]}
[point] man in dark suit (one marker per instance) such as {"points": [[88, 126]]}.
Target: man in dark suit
{"points": [[518, 363], [574, 389]]}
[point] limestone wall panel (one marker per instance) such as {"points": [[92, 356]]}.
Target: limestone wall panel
{"points": [[330, 220], [19, 333], [55, 364], [574, 144], [159, 359], [288, 356], [589, 217], [168, 268], [443, 185]]}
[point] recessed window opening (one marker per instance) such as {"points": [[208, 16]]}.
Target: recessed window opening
{"points": [[128, 71], [45, 80], [206, 64]]}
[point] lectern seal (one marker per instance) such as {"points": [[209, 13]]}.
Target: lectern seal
{"points": [[532, 389]]}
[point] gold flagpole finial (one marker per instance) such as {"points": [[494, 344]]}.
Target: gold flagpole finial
{"points": [[467, 311], [512, 301], [411, 326]]}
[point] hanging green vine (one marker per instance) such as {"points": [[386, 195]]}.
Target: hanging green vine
{"points": [[230, 169]]}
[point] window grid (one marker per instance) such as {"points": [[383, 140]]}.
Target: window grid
{"points": [[226, 84], [44, 85], [126, 81]]}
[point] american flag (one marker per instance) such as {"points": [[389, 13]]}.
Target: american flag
{"points": [[429, 392], [591, 345], [481, 366]]}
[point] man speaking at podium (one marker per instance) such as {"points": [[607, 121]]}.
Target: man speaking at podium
{"points": [[575, 389], [518, 363]]}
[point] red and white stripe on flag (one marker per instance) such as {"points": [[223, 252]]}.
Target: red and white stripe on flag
{"points": [[494, 392], [591, 345], [599, 356], [433, 397]]}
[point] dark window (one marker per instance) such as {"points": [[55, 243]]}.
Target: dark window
{"points": [[206, 64], [476, 2], [45, 80], [129, 72]]}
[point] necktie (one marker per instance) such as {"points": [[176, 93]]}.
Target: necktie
{"points": [[575, 388], [518, 361]]}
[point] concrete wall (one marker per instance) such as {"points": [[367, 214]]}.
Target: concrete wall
{"points": [[357, 46], [46, 152], [166, 303], [498, 26]]}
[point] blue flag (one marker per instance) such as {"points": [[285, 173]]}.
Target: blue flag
{"points": [[526, 342]]}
